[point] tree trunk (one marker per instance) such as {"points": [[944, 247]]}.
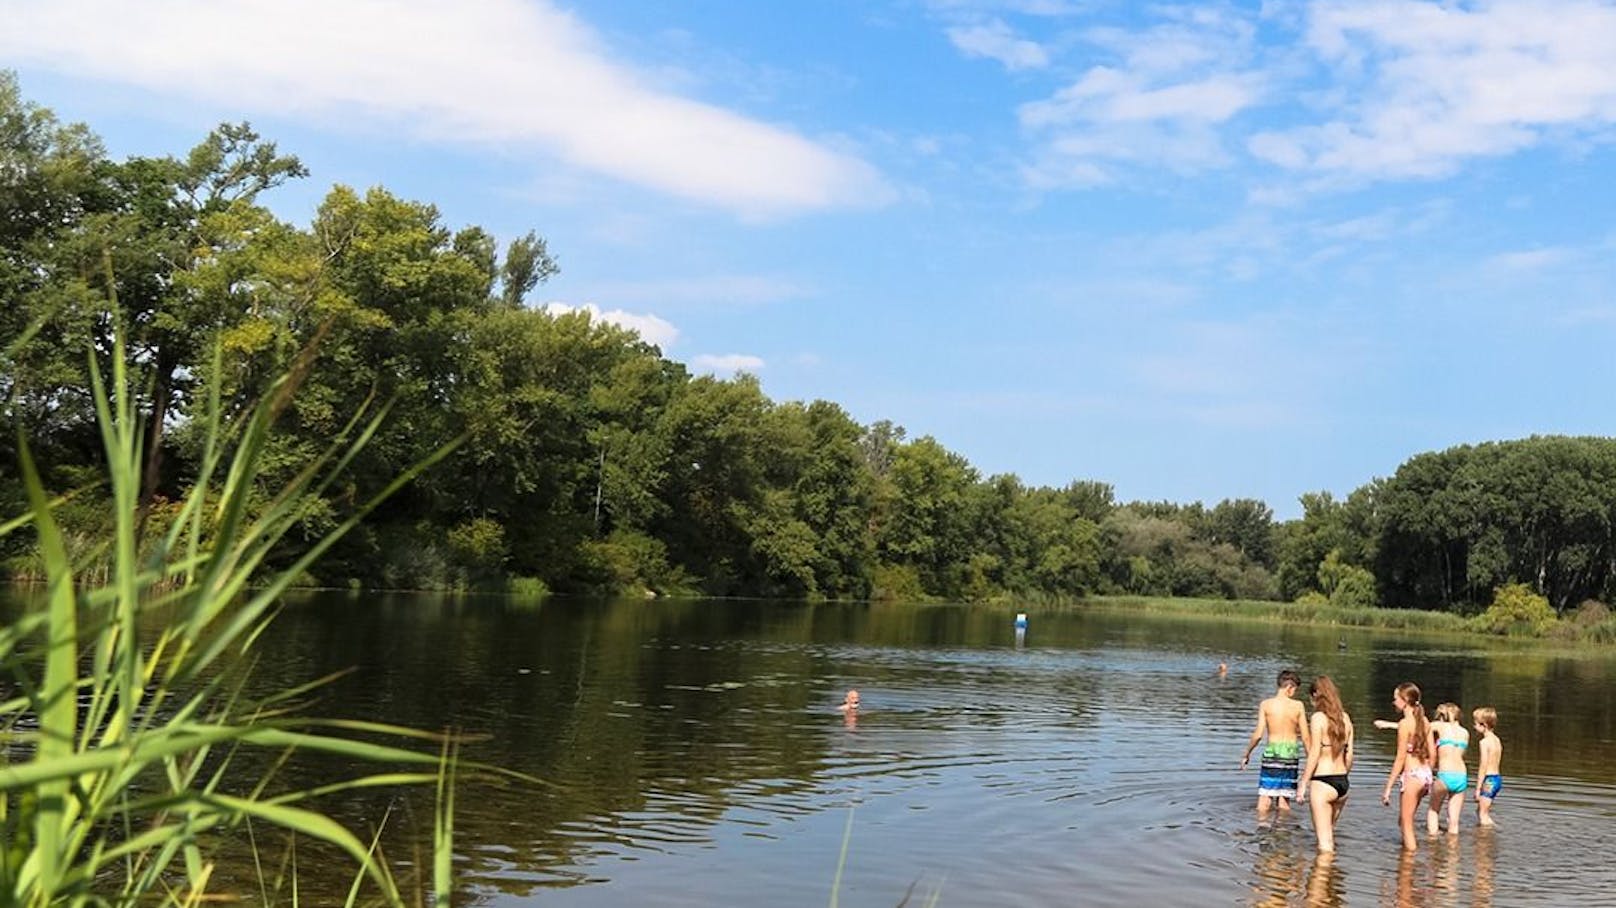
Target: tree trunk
{"points": [[152, 471]]}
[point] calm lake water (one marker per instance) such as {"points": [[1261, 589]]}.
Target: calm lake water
{"points": [[693, 755]]}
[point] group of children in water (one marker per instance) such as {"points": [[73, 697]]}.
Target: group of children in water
{"points": [[1309, 759]]}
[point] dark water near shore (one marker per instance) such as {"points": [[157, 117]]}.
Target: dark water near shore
{"points": [[694, 756]]}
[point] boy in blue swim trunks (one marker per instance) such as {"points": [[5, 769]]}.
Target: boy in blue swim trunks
{"points": [[1283, 721], [1488, 780]]}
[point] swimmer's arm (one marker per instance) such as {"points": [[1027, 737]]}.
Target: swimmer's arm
{"points": [[1313, 751], [1403, 734], [1303, 726], [1256, 735], [1385, 724]]}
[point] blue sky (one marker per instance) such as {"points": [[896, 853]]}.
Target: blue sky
{"points": [[1197, 251]]}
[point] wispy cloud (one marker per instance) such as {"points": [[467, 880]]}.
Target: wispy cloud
{"points": [[510, 72], [1161, 98], [652, 330], [1422, 87], [727, 363], [710, 290], [1530, 259], [996, 41], [1051, 8]]}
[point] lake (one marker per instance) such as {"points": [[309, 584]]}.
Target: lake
{"points": [[692, 753]]}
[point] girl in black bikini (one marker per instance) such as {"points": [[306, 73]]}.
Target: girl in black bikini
{"points": [[1324, 781]]}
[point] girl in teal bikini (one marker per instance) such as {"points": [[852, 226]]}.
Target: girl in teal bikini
{"points": [[1452, 740]]}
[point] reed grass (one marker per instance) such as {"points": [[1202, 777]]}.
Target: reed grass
{"points": [[132, 743], [1294, 613]]}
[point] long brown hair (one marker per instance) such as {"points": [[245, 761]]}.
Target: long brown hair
{"points": [[1420, 746], [1327, 700]]}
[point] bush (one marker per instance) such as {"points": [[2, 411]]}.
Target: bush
{"points": [[1590, 613], [478, 544], [527, 588], [631, 562], [897, 583], [1354, 588], [1517, 610], [1313, 599]]}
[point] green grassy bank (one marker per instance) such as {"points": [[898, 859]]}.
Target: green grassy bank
{"points": [[1591, 623]]}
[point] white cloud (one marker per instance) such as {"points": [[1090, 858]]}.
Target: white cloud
{"points": [[1530, 259], [1051, 8], [651, 329], [522, 73], [720, 289], [726, 362], [1427, 86], [1110, 95], [996, 41], [1164, 98]]}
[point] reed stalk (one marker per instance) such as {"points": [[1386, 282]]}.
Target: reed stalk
{"points": [[131, 775]]}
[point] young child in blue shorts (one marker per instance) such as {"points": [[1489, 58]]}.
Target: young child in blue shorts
{"points": [[1488, 779]]}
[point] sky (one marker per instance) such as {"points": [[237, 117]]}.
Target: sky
{"points": [[1197, 251]]}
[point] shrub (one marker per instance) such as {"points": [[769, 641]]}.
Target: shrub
{"points": [[897, 583], [1517, 610], [1590, 613], [1354, 588], [527, 588], [1313, 599], [478, 544]]}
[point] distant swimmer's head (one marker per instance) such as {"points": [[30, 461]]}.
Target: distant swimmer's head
{"points": [[851, 701], [1289, 679]]}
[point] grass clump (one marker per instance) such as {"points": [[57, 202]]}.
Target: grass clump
{"points": [[1309, 610], [125, 745]]}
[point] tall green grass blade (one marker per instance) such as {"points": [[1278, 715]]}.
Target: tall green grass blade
{"points": [[443, 829], [314, 825], [841, 861], [57, 703]]}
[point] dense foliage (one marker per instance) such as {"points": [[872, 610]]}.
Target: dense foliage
{"points": [[592, 463]]}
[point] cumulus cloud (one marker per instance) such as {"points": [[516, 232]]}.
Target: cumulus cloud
{"points": [[519, 73], [996, 41], [726, 363], [651, 329], [1426, 86]]}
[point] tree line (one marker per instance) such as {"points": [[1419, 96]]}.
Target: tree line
{"points": [[591, 463]]}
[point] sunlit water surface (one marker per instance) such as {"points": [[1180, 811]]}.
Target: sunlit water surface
{"points": [[692, 754]]}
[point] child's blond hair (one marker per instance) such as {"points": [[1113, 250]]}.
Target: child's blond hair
{"points": [[1447, 712], [1486, 717]]}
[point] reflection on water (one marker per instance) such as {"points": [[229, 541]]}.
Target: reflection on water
{"points": [[1325, 884], [693, 754]]}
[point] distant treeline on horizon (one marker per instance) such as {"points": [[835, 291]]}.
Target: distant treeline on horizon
{"points": [[592, 464]]}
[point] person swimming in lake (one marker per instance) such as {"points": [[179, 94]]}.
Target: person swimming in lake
{"points": [[1283, 721], [1452, 778], [1413, 764], [849, 708], [1329, 760]]}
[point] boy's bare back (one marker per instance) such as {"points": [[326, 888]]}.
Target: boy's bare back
{"points": [[1284, 718]]}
